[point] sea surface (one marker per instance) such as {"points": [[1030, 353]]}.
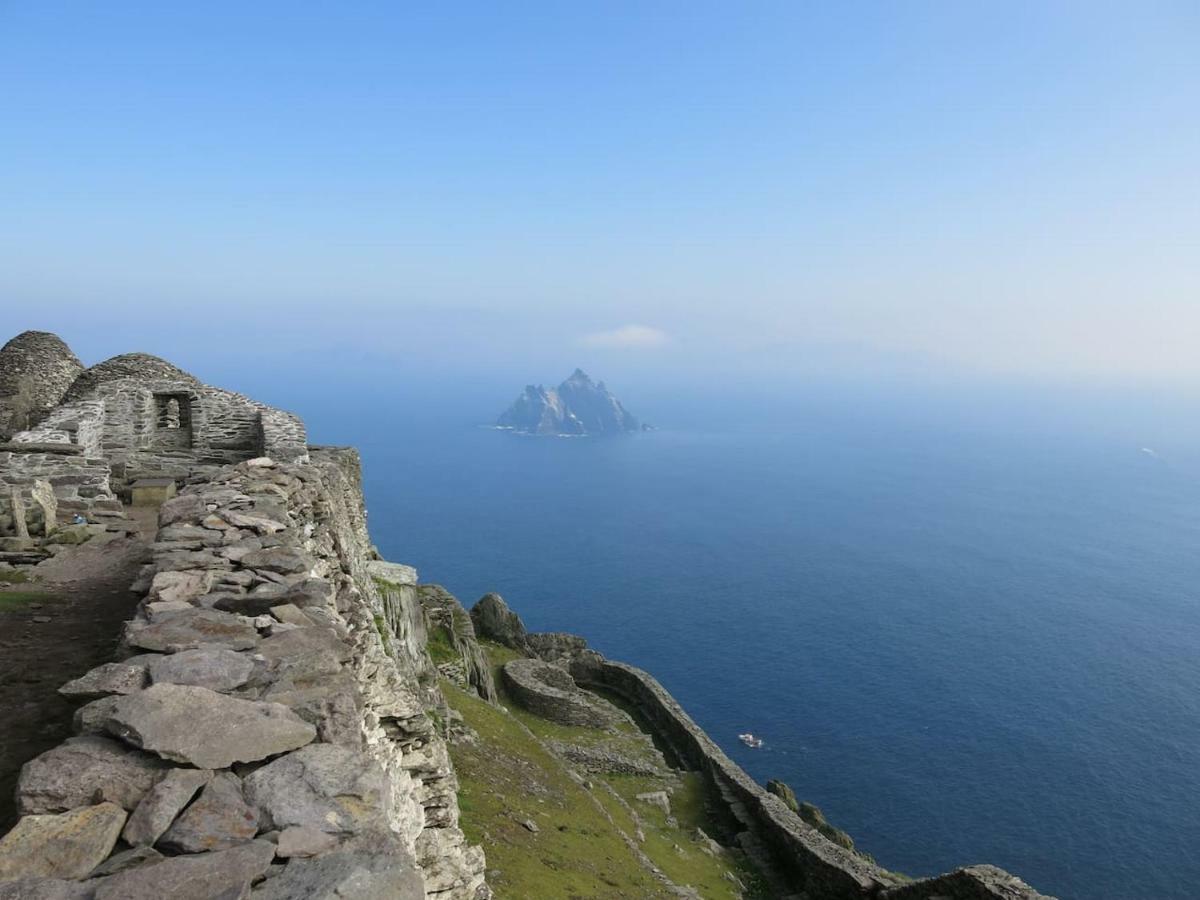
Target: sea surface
{"points": [[967, 630]]}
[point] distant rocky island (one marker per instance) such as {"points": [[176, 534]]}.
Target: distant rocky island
{"points": [[578, 406]]}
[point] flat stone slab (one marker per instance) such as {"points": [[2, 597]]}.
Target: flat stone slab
{"points": [[188, 629], [205, 876], [162, 804], [284, 560], [110, 678], [85, 770], [214, 668], [205, 729], [67, 845]]}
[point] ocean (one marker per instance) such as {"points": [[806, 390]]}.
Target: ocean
{"points": [[966, 629]]}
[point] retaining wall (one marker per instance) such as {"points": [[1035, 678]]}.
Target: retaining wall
{"points": [[808, 861]]}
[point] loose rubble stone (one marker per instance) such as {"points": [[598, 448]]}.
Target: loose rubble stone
{"points": [[324, 786], [110, 678], [222, 875], [192, 628], [218, 820], [158, 809], [205, 729], [67, 845], [377, 869], [284, 560], [85, 770], [214, 668], [310, 592]]}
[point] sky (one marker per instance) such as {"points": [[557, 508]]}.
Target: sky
{"points": [[984, 189]]}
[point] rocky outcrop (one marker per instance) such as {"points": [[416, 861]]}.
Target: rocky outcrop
{"points": [[578, 406], [266, 732], [496, 622], [465, 662]]}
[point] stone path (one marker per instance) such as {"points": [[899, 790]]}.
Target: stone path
{"points": [[87, 602]]}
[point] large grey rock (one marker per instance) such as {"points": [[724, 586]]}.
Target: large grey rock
{"points": [[218, 820], [67, 845], [331, 704], [310, 592], [494, 620], [305, 654], [85, 770], [110, 678], [89, 718], [324, 786], [377, 868], [168, 586], [304, 841], [215, 668], [284, 560], [44, 889], [158, 809], [205, 729], [192, 628], [184, 508], [222, 875], [126, 860]]}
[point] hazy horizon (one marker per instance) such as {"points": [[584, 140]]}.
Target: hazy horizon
{"points": [[921, 192]]}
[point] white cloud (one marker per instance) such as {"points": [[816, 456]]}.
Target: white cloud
{"points": [[627, 336]]}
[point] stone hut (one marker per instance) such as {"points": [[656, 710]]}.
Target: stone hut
{"points": [[36, 369], [130, 417]]}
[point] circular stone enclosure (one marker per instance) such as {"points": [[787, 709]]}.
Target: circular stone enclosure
{"points": [[551, 693]]}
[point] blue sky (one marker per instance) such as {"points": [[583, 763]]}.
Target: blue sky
{"points": [[989, 188]]}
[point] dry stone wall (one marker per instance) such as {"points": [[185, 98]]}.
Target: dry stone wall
{"points": [[264, 732], [802, 859]]}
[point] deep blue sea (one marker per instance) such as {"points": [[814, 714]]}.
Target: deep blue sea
{"points": [[967, 630]]}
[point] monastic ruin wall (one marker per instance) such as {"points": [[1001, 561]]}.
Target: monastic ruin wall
{"points": [[80, 483], [810, 862], [551, 693], [261, 684]]}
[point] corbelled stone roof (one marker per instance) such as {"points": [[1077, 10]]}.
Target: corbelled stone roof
{"points": [[127, 365], [36, 369]]}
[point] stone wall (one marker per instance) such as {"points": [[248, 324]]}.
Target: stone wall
{"points": [[551, 693], [264, 733], [80, 483], [800, 855]]}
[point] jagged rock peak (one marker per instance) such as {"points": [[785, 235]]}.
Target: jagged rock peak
{"points": [[127, 365], [36, 369], [578, 406]]}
